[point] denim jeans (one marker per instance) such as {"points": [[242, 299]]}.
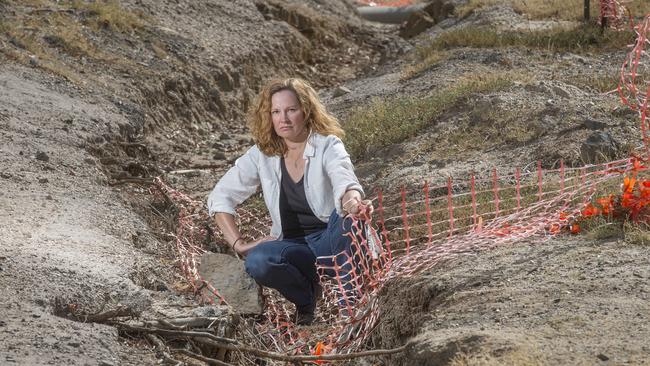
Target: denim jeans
{"points": [[289, 265]]}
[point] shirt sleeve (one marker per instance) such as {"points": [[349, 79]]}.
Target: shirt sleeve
{"points": [[340, 170], [239, 183]]}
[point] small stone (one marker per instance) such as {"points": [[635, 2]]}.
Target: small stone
{"points": [[219, 155], [106, 363], [340, 91], [74, 344], [42, 156], [602, 357], [594, 125], [43, 180], [224, 136], [5, 175], [561, 92], [49, 197]]}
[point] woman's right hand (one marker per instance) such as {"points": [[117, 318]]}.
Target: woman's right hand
{"points": [[243, 248]]}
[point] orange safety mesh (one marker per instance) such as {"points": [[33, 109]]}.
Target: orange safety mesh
{"points": [[634, 85], [385, 2], [614, 14]]}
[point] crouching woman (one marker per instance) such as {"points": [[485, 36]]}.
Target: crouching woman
{"points": [[309, 187]]}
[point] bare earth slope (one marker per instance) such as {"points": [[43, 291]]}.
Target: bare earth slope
{"points": [[64, 233]]}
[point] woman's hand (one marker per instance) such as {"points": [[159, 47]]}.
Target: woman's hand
{"points": [[355, 206], [242, 247]]}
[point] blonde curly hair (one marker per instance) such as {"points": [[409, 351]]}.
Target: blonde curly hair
{"points": [[316, 116]]}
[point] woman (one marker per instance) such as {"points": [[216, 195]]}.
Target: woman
{"points": [[308, 184]]}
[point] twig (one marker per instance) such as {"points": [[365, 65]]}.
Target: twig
{"points": [[233, 345], [107, 315], [133, 144], [208, 360], [129, 179], [47, 10], [168, 332], [161, 350]]}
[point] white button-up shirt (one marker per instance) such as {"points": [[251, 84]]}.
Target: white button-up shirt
{"points": [[328, 175]]}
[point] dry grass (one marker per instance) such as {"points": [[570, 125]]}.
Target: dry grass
{"points": [[584, 38], [386, 122], [516, 357], [570, 10], [108, 14], [53, 36], [427, 61], [597, 81]]}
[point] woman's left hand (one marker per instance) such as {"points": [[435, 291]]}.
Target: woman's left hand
{"points": [[362, 209]]}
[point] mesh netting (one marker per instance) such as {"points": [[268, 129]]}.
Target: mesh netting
{"points": [[417, 228], [634, 86], [614, 14], [386, 2]]}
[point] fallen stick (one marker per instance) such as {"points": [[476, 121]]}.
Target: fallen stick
{"points": [[161, 347], [208, 360], [233, 345]]}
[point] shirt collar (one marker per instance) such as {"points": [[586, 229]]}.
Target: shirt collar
{"points": [[310, 150]]}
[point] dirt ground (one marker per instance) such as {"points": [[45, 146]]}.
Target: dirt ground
{"points": [[81, 132]]}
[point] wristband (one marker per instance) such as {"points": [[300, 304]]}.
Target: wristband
{"points": [[234, 244]]}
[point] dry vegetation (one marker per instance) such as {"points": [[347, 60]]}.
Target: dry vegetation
{"points": [[556, 9], [389, 121], [55, 36]]}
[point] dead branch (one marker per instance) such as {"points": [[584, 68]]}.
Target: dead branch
{"points": [[160, 346], [49, 10], [208, 360], [120, 311], [130, 179], [185, 323], [133, 144], [233, 345], [181, 333]]}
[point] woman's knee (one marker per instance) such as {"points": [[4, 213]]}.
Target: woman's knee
{"points": [[257, 265]]}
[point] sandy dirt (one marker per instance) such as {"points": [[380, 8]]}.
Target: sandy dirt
{"points": [[79, 226]]}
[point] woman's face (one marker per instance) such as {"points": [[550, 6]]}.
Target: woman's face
{"points": [[287, 116]]}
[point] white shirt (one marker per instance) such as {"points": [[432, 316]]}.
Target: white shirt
{"points": [[328, 175]]}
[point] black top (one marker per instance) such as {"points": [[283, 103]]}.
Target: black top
{"points": [[298, 220]]}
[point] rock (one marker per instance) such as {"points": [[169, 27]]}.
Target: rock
{"points": [[439, 10], [340, 91], [42, 156], [219, 155], [602, 357], [74, 344], [224, 136], [43, 180], [5, 175], [594, 125], [227, 274], [561, 92], [599, 146], [418, 22]]}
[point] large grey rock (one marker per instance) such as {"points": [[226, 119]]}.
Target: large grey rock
{"points": [[599, 147], [227, 274]]}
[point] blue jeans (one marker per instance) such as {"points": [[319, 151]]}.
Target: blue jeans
{"points": [[289, 265]]}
